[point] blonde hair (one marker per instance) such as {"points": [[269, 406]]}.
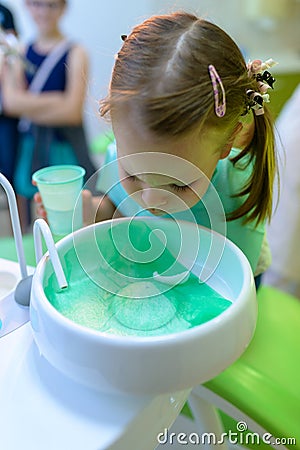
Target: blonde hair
{"points": [[161, 72]]}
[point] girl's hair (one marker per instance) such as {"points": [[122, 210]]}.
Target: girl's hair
{"points": [[161, 75]]}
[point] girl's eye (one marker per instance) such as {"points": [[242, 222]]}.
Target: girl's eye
{"points": [[177, 188], [131, 177]]}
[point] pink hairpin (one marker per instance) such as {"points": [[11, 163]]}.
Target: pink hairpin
{"points": [[220, 107]]}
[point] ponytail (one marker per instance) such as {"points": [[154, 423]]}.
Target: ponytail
{"points": [[259, 189]]}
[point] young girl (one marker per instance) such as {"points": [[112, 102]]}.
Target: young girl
{"points": [[180, 99]]}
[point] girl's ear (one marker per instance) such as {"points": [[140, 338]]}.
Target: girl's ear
{"points": [[226, 150], [245, 135]]}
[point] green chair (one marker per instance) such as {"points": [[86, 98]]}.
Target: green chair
{"points": [[8, 249], [262, 388], [101, 142], [99, 146]]}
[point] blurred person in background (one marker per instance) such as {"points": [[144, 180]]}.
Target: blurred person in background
{"points": [[284, 229], [48, 93], [8, 125]]}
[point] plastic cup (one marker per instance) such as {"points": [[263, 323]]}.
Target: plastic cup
{"points": [[60, 188]]}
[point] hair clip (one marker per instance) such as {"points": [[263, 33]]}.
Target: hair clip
{"points": [[256, 101], [123, 37], [268, 63], [266, 77], [257, 70], [220, 99], [254, 67], [257, 65]]}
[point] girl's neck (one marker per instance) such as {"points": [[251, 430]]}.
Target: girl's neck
{"points": [[45, 43]]}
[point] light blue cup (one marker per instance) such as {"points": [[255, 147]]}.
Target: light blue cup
{"points": [[60, 188]]}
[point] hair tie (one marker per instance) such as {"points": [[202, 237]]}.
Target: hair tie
{"points": [[219, 98], [257, 70], [256, 101]]}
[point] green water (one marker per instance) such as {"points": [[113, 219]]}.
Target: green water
{"points": [[178, 308], [139, 306]]}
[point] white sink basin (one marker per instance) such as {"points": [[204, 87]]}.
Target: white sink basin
{"points": [[9, 276], [12, 315], [148, 364]]}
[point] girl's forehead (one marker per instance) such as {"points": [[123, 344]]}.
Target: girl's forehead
{"points": [[163, 167], [185, 157], [131, 137], [184, 160]]}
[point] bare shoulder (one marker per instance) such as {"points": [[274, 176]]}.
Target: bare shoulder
{"points": [[78, 52], [78, 60]]}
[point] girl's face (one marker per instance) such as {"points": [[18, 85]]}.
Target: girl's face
{"points": [[167, 175], [46, 13]]}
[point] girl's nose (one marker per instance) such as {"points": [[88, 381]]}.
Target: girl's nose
{"points": [[154, 198]]}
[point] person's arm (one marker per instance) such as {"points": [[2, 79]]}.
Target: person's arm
{"points": [[53, 108], [96, 209]]}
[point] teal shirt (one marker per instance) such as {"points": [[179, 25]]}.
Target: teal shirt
{"points": [[210, 211]]}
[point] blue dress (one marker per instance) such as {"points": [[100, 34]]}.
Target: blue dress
{"points": [[57, 78]]}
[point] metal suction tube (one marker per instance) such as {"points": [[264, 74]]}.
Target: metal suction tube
{"points": [[40, 227], [14, 216], [23, 289]]}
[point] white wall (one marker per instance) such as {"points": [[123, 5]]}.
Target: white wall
{"points": [[98, 24], [262, 28]]}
